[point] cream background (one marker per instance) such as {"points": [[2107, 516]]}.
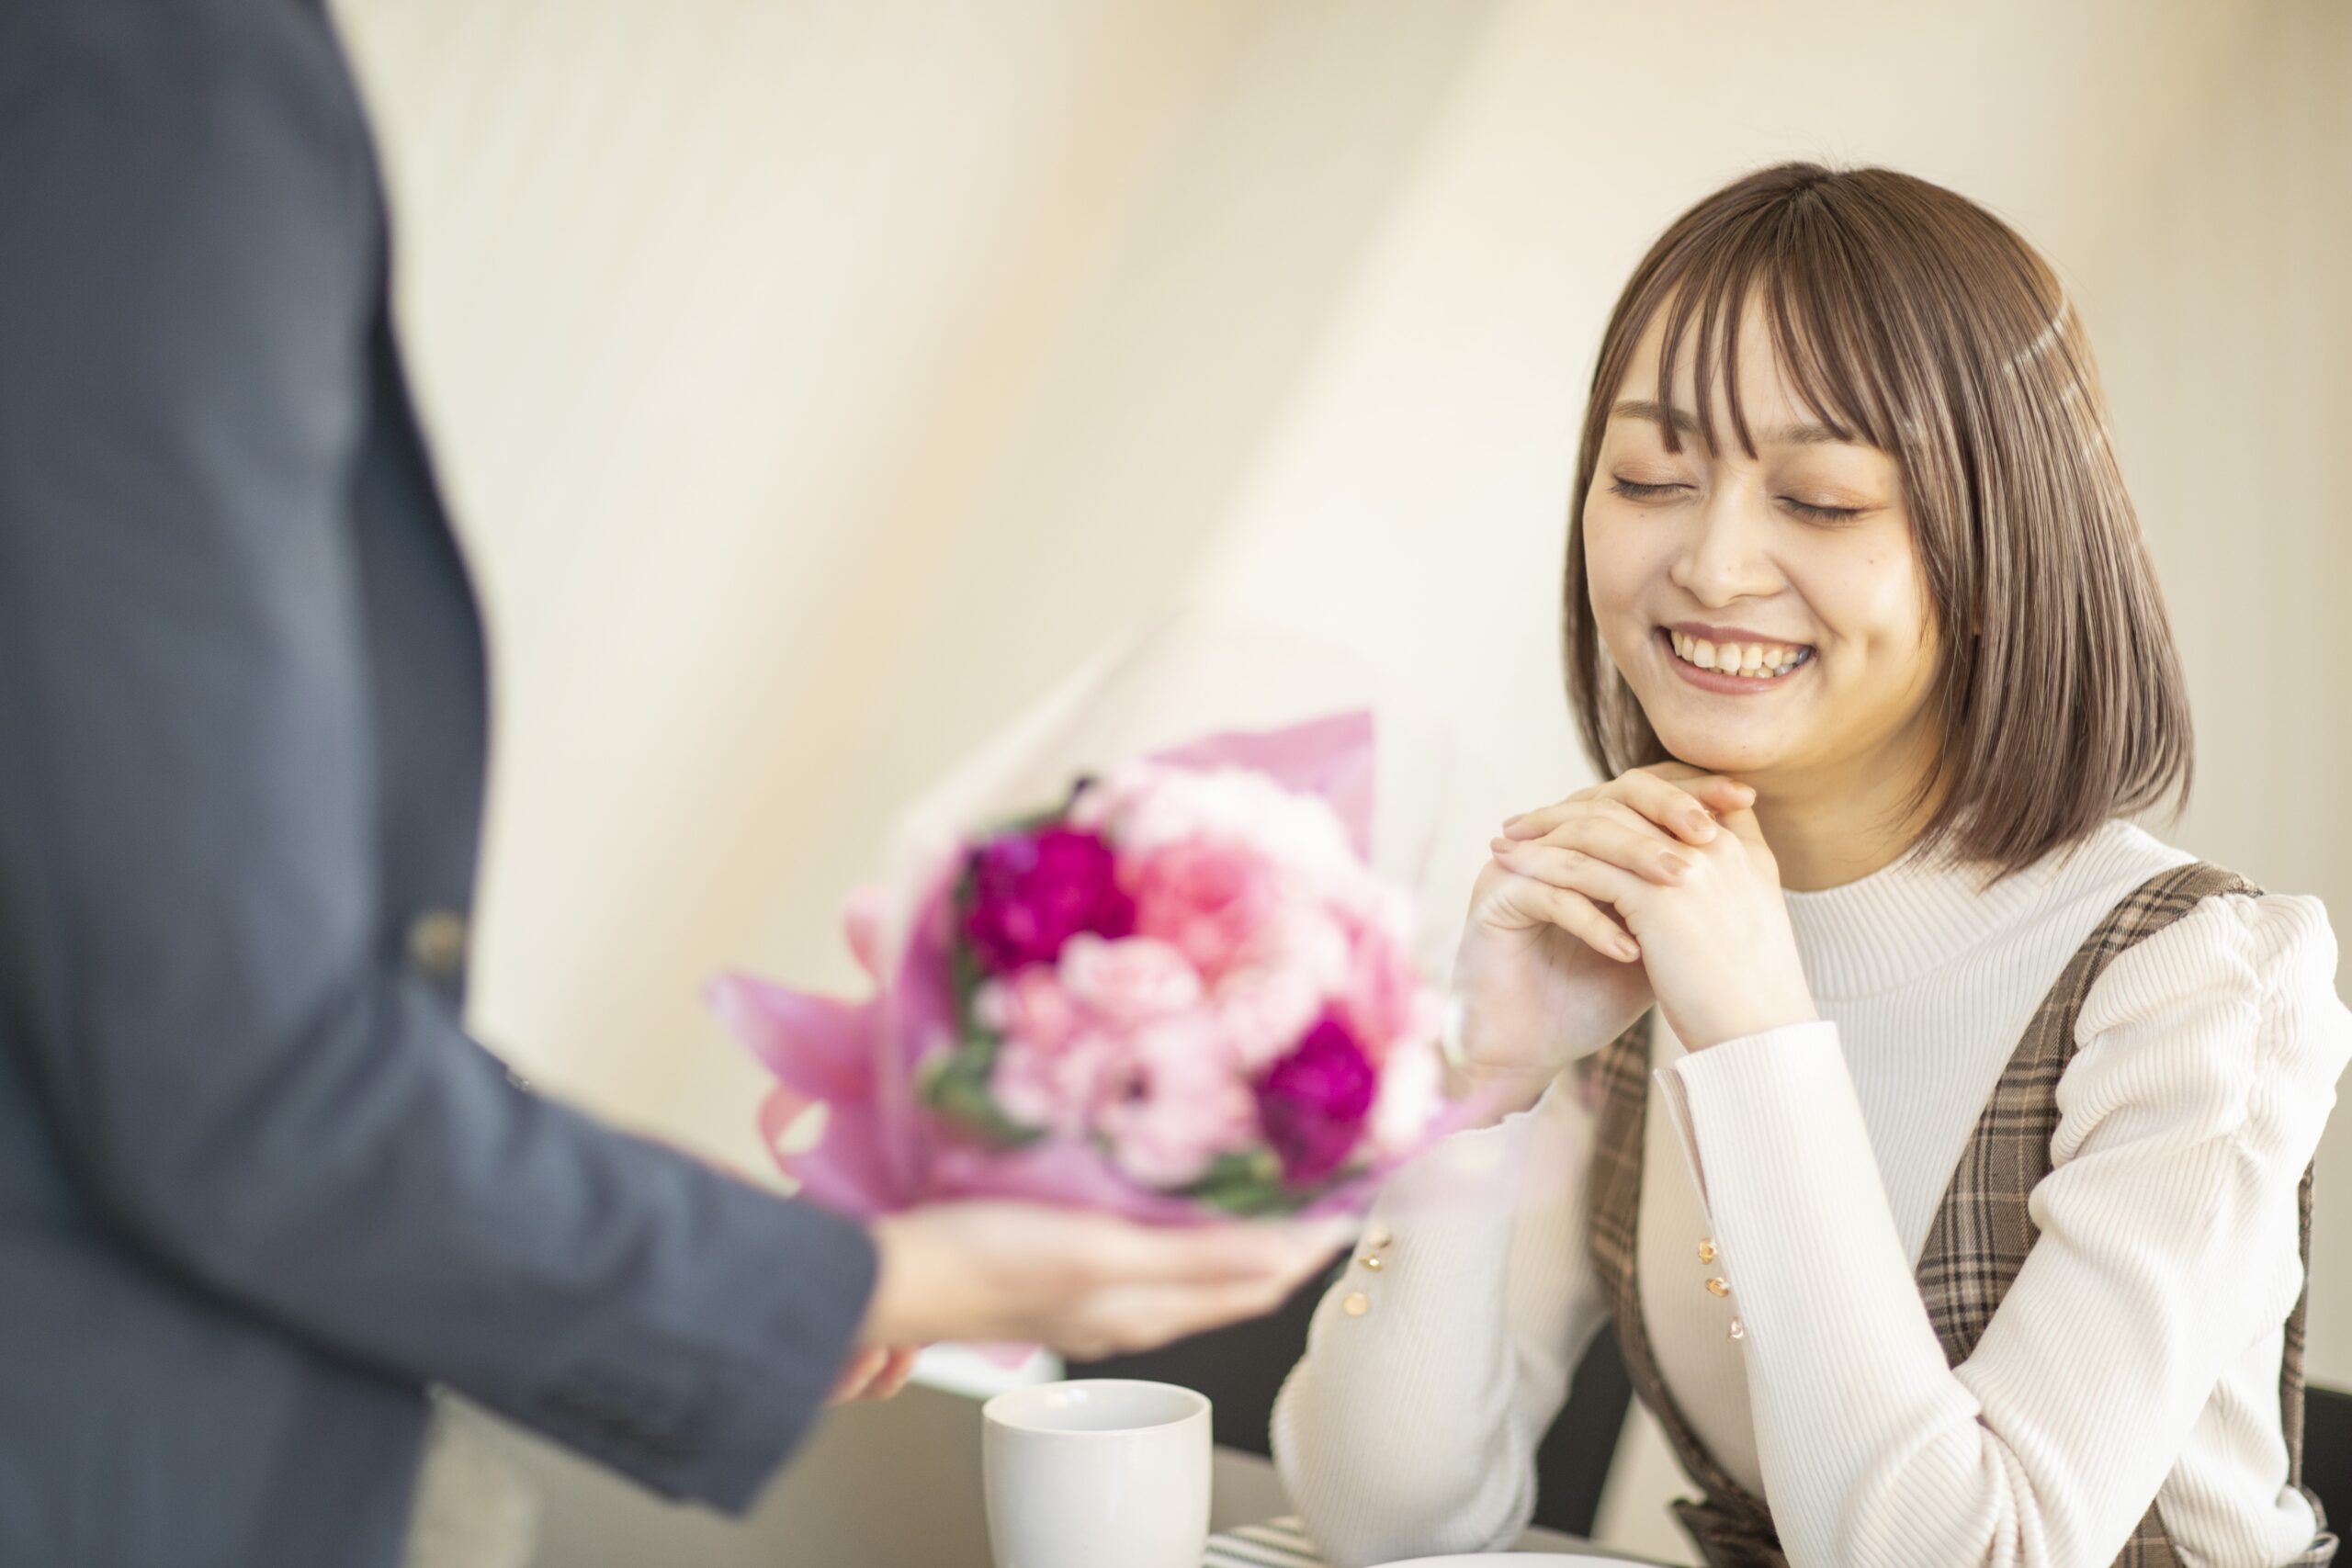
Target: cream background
{"points": [[816, 383]]}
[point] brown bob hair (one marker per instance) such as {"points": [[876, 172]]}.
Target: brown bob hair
{"points": [[1909, 318]]}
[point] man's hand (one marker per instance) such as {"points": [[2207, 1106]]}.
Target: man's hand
{"points": [[1086, 1284], [876, 1372]]}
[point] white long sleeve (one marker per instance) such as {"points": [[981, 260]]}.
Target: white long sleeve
{"points": [[2138, 1351], [2167, 1259], [1410, 1429]]}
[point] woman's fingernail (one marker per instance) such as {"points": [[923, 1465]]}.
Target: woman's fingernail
{"points": [[1703, 829], [1626, 950], [1500, 846]]}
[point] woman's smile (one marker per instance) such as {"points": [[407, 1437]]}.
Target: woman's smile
{"points": [[1731, 660]]}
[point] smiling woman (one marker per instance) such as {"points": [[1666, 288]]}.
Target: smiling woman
{"points": [[1975, 1224]]}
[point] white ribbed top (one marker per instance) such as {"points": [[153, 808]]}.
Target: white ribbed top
{"points": [[2139, 1349]]}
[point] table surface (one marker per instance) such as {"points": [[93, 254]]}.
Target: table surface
{"points": [[1281, 1543], [888, 1485]]}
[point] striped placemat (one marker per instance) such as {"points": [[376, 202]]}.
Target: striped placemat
{"points": [[1279, 1543]]}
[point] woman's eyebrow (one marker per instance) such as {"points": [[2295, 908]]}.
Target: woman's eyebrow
{"points": [[1686, 423]]}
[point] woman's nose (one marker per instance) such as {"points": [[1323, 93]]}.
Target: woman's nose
{"points": [[1724, 557]]}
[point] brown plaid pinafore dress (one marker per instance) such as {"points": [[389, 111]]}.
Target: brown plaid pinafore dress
{"points": [[1975, 1247]]}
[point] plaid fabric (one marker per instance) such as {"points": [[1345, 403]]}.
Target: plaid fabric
{"points": [[1975, 1247], [1731, 1526], [1281, 1543]]}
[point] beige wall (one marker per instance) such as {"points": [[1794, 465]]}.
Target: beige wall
{"points": [[817, 381]]}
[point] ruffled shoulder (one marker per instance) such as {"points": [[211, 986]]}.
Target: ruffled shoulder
{"points": [[2224, 1024]]}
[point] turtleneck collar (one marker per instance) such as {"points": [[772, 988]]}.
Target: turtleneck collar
{"points": [[1910, 916]]}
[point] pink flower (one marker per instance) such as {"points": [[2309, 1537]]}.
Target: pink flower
{"points": [[1032, 892], [1206, 897], [1176, 1102], [1054, 1089], [1314, 1103], [1384, 993], [1264, 1011], [1303, 939], [1128, 982], [1032, 1007]]}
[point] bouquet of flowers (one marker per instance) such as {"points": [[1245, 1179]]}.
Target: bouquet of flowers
{"points": [[1178, 992]]}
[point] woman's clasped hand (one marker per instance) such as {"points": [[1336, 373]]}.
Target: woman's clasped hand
{"points": [[1655, 886]]}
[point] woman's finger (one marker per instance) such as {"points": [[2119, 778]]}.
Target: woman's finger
{"points": [[1538, 902], [1615, 833], [1744, 826], [1573, 871], [1686, 808], [1682, 807], [1543, 819]]}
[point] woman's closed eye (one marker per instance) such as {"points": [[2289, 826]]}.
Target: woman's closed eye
{"points": [[1655, 492], [1634, 490], [1821, 512]]}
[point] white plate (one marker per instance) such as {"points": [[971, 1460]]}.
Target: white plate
{"points": [[1483, 1560]]}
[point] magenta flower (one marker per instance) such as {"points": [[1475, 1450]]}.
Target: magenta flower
{"points": [[1313, 1103], [1032, 892]]}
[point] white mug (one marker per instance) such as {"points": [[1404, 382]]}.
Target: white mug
{"points": [[1103, 1473]]}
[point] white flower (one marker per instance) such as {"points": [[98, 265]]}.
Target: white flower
{"points": [[1412, 1090], [1141, 806]]}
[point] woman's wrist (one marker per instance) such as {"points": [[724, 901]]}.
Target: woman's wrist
{"points": [[1510, 1090], [1512, 1087], [1745, 1023]]}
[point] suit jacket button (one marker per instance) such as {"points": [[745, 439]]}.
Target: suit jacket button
{"points": [[437, 944]]}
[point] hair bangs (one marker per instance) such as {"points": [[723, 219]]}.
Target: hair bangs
{"points": [[1814, 307]]}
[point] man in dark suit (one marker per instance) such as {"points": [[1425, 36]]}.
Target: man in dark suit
{"points": [[258, 1187]]}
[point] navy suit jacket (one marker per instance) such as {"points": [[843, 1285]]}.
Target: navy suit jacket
{"points": [[257, 1187]]}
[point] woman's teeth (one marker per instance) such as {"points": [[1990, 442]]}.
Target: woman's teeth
{"points": [[1757, 658]]}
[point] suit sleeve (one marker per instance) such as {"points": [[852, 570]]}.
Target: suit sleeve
{"points": [[196, 969]]}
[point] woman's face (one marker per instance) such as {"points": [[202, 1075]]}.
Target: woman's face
{"points": [[1769, 612]]}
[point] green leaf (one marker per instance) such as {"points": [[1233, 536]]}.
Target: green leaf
{"points": [[957, 1086], [1246, 1184]]}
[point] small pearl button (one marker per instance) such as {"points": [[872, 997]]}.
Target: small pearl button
{"points": [[1356, 1305], [1369, 1261], [1378, 1238], [1707, 1250], [1719, 1286], [1738, 1330]]}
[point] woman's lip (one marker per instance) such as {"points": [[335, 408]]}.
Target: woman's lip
{"points": [[1715, 679]]}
